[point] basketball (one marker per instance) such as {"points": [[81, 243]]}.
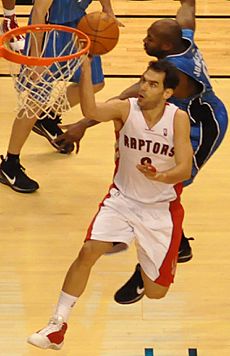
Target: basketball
{"points": [[102, 30]]}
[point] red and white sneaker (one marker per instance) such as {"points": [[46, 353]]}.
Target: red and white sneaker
{"points": [[52, 336], [9, 23]]}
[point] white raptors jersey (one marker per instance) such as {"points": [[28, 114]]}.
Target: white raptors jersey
{"points": [[137, 144]]}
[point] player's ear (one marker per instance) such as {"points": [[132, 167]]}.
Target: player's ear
{"points": [[168, 93], [166, 46]]}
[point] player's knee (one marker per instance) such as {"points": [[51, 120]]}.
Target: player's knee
{"points": [[155, 294], [88, 255]]}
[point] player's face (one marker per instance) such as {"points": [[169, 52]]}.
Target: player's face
{"points": [[152, 91], [153, 45]]}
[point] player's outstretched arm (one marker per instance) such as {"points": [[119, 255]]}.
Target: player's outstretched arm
{"points": [[186, 14], [75, 132], [110, 110], [130, 92]]}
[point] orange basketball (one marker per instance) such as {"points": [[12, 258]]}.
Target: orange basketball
{"points": [[102, 30]]}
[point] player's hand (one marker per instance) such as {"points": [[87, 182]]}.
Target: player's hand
{"points": [[119, 23], [148, 170], [111, 14], [73, 134]]}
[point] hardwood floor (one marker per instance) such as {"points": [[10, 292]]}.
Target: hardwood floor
{"points": [[41, 233]]}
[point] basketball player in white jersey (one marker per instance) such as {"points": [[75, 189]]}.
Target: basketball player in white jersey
{"points": [[143, 203]]}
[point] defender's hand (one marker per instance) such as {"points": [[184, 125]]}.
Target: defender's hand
{"points": [[74, 133]]}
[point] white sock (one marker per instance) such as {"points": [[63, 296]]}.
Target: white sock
{"points": [[65, 304], [8, 13]]}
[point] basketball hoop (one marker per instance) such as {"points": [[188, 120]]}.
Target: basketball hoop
{"points": [[41, 78]]}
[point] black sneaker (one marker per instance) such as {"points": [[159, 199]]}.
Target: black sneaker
{"points": [[49, 129], [13, 174], [133, 290], [185, 250]]}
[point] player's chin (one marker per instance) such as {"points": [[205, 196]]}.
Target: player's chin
{"points": [[140, 100]]}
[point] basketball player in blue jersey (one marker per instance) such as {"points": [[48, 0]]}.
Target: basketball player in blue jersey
{"points": [[142, 205], [67, 13], [174, 40]]}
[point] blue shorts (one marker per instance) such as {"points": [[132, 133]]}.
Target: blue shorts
{"points": [[209, 121], [41, 90], [64, 38]]}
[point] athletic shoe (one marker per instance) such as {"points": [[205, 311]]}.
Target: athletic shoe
{"points": [[49, 129], [9, 23], [133, 290], [13, 174], [51, 337], [185, 250]]}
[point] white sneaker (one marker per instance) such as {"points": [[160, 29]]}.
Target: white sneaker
{"points": [[52, 336]]}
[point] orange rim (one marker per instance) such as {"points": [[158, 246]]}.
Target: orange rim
{"points": [[37, 61]]}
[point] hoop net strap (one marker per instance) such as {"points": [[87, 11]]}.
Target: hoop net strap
{"points": [[41, 80]]}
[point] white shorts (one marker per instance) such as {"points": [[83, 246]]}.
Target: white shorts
{"points": [[155, 228]]}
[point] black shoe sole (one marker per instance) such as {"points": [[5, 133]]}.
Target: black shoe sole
{"points": [[4, 181], [38, 131], [183, 259], [129, 301]]}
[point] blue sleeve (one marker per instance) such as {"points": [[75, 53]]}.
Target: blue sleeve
{"points": [[188, 33]]}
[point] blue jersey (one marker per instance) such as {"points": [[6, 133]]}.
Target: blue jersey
{"points": [[191, 61], [208, 115], [63, 11], [192, 64]]}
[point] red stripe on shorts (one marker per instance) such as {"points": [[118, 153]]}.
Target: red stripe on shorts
{"points": [[90, 228], [168, 267]]}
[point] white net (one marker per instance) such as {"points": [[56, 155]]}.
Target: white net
{"points": [[42, 89]]}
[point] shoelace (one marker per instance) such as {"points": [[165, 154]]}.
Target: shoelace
{"points": [[11, 23], [53, 325]]}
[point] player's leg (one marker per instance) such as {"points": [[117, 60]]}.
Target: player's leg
{"points": [[49, 128], [52, 336], [11, 171], [99, 240], [208, 126], [152, 289], [10, 22], [209, 121], [159, 263]]}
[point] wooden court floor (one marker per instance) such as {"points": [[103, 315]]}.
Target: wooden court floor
{"points": [[41, 233]]}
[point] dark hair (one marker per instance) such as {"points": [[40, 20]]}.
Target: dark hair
{"points": [[171, 79]]}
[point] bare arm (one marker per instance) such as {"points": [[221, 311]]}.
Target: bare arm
{"points": [[39, 11], [107, 8], [110, 110], [130, 92], [186, 14], [183, 154], [74, 132]]}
